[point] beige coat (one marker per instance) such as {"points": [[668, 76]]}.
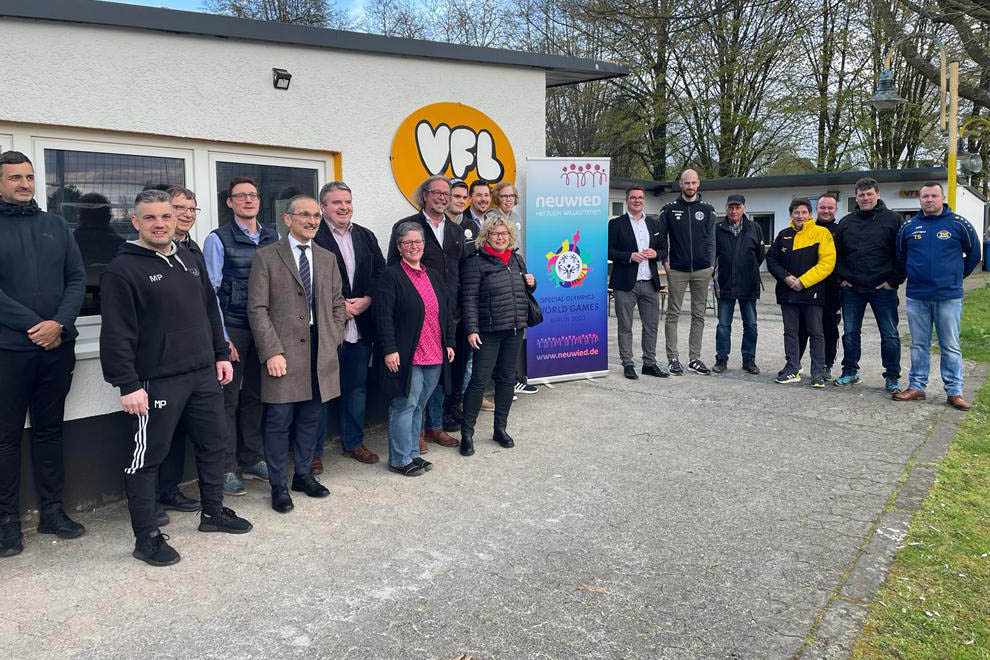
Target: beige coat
{"points": [[279, 319]]}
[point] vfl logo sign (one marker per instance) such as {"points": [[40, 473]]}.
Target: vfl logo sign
{"points": [[449, 139]]}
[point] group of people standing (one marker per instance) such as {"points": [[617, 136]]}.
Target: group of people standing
{"points": [[826, 272], [239, 346]]}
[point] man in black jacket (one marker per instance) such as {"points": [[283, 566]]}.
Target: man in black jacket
{"points": [[361, 263], [687, 250], [151, 309], [633, 240], [42, 284], [480, 196], [869, 273], [739, 251], [443, 252]]}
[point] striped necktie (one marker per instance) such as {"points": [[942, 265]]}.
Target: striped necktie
{"points": [[304, 273]]}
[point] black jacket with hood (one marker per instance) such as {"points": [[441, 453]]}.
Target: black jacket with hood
{"points": [[42, 275], [866, 248], [160, 317]]}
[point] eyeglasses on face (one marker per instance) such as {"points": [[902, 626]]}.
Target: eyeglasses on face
{"points": [[240, 197], [439, 193], [498, 234], [306, 215], [186, 209], [414, 243], [506, 196]]}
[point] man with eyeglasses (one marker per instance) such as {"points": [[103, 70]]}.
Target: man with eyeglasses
{"points": [[297, 314], [360, 261], [443, 252], [229, 251]]}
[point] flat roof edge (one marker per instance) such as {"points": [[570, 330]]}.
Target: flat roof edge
{"points": [[112, 14]]}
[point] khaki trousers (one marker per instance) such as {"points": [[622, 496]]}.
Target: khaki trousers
{"points": [[677, 283]]}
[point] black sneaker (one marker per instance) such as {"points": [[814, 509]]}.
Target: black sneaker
{"points": [[54, 521], [749, 366], [675, 368], [654, 370], [629, 371], [720, 366], [785, 377], [698, 367], [827, 374], [176, 501], [154, 550], [426, 465], [525, 388], [10, 536], [225, 521]]}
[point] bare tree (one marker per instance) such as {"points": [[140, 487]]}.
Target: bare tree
{"points": [[395, 18], [318, 13]]}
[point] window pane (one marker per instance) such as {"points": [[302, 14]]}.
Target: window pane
{"points": [[765, 221], [94, 192], [276, 185]]}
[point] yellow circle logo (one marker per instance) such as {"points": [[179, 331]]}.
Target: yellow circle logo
{"points": [[451, 139]]}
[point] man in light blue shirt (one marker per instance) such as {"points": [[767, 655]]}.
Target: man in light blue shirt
{"points": [[229, 251]]}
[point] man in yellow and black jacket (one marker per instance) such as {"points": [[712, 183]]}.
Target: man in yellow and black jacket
{"points": [[801, 258]]}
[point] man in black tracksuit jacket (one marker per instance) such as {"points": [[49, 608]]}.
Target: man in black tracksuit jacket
{"points": [[687, 226], [162, 345]]}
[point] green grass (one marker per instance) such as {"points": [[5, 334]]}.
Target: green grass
{"points": [[974, 333], [935, 602]]}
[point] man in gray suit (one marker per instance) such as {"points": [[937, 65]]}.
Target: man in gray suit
{"points": [[297, 315]]}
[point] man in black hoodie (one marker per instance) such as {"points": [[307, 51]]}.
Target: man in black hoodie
{"points": [[42, 283], [162, 344], [869, 273]]}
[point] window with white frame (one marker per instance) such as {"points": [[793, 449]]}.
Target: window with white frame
{"points": [[92, 186], [278, 179], [6, 143]]}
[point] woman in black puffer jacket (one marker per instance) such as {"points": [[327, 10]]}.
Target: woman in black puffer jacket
{"points": [[494, 307]]}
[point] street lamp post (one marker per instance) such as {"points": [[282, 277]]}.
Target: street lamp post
{"points": [[886, 99]]}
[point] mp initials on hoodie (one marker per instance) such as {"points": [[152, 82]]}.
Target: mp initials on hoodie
{"points": [[160, 317]]}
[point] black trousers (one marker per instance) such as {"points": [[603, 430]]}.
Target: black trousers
{"points": [[194, 399], [242, 404], [34, 381], [495, 360], [811, 317], [301, 419], [831, 316], [171, 470]]}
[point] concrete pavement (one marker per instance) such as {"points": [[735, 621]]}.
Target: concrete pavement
{"points": [[692, 517]]}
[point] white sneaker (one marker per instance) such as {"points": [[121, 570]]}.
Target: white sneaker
{"points": [[525, 388]]}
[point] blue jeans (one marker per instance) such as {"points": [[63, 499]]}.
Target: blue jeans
{"points": [[405, 414], [723, 333], [884, 304], [433, 415], [353, 360], [946, 314]]}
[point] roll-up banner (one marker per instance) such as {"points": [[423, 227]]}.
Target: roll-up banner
{"points": [[567, 252]]}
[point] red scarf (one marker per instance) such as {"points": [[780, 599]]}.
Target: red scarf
{"points": [[504, 256]]}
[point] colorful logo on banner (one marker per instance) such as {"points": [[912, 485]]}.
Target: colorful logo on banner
{"points": [[567, 230], [451, 139], [567, 267]]}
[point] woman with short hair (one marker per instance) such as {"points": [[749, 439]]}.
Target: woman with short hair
{"points": [[415, 341], [495, 309]]}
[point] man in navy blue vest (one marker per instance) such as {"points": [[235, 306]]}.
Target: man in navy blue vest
{"points": [[229, 251]]}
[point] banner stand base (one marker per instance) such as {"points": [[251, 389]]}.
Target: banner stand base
{"points": [[566, 377]]}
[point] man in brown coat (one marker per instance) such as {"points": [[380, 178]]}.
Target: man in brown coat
{"points": [[297, 316]]}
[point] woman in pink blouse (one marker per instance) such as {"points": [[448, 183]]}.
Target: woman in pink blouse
{"points": [[415, 344]]}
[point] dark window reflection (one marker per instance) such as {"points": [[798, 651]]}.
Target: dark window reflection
{"points": [[276, 185], [94, 193], [765, 221]]}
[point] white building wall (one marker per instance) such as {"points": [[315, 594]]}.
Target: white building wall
{"points": [[208, 94]]}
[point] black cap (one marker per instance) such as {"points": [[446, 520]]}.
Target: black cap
{"points": [[735, 199]]}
